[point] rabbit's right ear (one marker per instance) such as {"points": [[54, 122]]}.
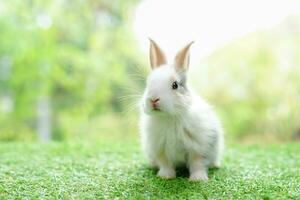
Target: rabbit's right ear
{"points": [[182, 58], [157, 57]]}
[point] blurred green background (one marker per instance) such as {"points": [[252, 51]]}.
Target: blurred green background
{"points": [[71, 70]]}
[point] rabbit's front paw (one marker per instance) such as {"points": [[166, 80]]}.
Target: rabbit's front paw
{"points": [[200, 175], [166, 173]]}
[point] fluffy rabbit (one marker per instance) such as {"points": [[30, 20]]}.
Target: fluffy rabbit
{"points": [[177, 126]]}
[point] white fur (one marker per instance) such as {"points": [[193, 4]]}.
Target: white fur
{"points": [[185, 132]]}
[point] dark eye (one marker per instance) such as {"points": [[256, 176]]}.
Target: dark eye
{"points": [[175, 85]]}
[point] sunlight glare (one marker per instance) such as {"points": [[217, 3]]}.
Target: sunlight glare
{"points": [[212, 24]]}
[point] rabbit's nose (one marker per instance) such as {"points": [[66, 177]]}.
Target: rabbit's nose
{"points": [[154, 100]]}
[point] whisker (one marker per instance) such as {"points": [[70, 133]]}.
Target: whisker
{"points": [[129, 97], [140, 70], [138, 76], [132, 92], [131, 107]]}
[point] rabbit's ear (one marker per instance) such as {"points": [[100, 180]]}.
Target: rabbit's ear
{"points": [[182, 58], [157, 57]]}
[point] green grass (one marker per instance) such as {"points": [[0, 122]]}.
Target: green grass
{"points": [[107, 171]]}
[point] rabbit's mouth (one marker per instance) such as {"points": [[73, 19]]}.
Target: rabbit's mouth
{"points": [[152, 109], [156, 109]]}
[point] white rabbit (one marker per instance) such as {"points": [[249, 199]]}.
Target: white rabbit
{"points": [[177, 126]]}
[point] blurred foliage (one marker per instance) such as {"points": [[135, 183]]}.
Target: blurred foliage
{"points": [[81, 56], [75, 52], [255, 84]]}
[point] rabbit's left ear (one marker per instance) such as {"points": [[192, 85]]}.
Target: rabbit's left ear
{"points": [[182, 58]]}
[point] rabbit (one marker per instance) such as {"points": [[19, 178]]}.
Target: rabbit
{"points": [[177, 126]]}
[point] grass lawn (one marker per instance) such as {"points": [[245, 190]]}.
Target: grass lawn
{"points": [[107, 171]]}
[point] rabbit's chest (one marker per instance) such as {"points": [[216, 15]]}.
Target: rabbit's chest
{"points": [[173, 139]]}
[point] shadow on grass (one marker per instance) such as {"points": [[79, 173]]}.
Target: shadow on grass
{"points": [[149, 184], [183, 171], [141, 182]]}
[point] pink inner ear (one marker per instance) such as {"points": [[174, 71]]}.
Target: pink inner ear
{"points": [[157, 57], [182, 58]]}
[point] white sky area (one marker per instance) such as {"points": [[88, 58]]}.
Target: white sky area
{"points": [[211, 23]]}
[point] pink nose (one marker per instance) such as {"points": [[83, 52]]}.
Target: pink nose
{"points": [[154, 100]]}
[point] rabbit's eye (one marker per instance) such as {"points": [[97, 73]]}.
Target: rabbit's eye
{"points": [[175, 85]]}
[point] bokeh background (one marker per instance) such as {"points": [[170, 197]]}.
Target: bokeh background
{"points": [[74, 70]]}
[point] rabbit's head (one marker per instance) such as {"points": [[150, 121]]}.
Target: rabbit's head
{"points": [[166, 92]]}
